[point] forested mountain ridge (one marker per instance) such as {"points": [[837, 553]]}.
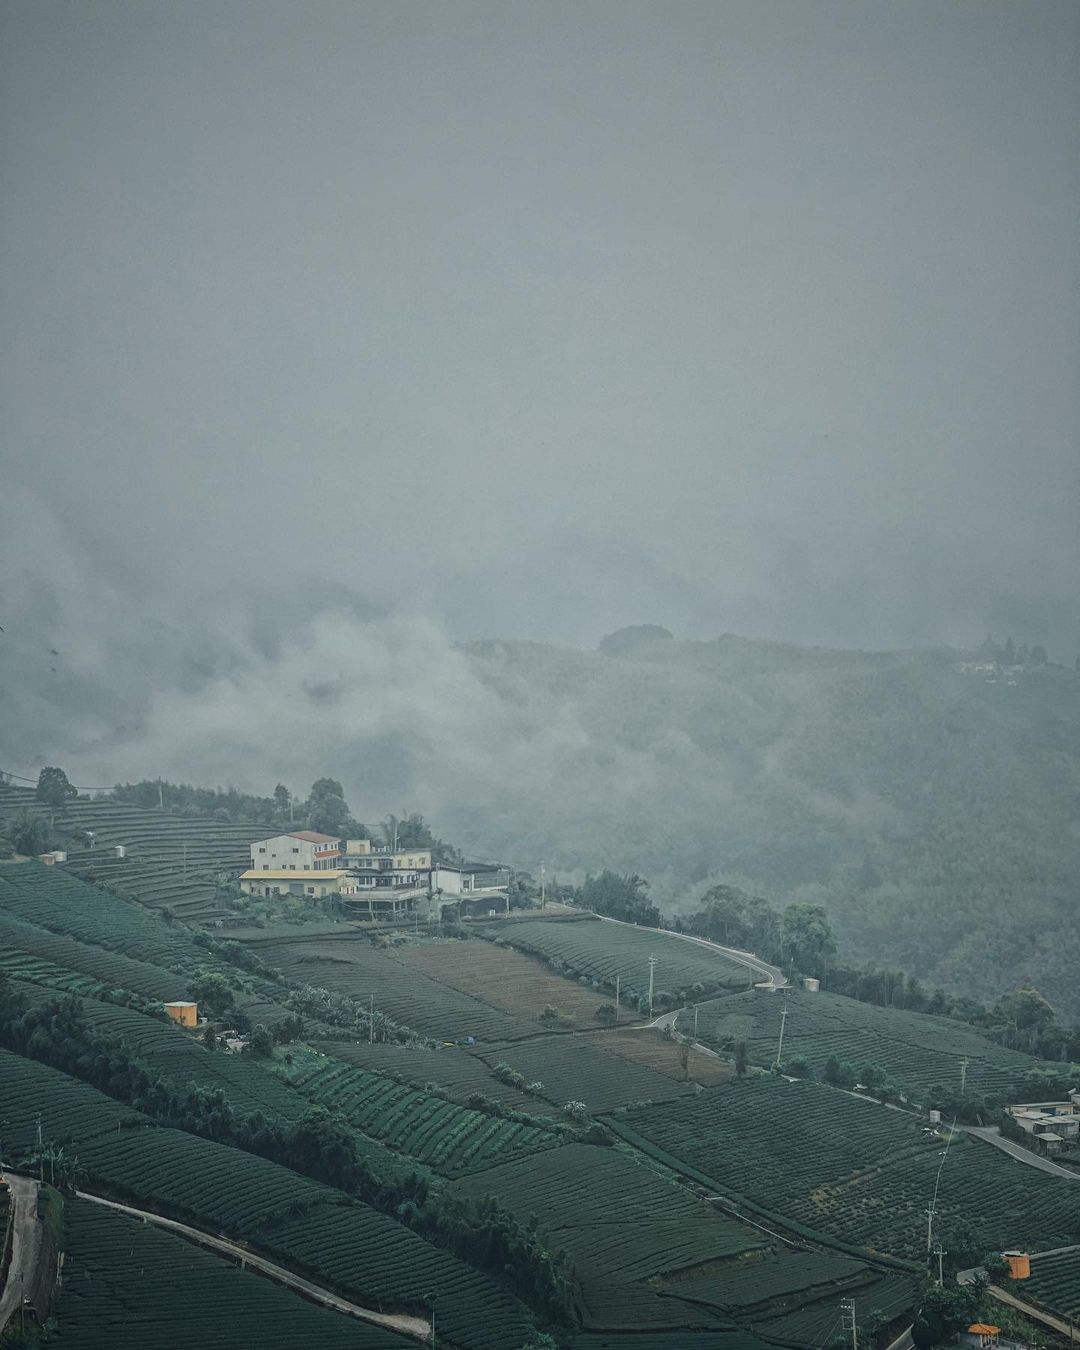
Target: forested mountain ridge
{"points": [[932, 806]]}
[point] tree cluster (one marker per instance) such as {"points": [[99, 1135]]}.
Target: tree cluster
{"points": [[618, 897], [799, 938]]}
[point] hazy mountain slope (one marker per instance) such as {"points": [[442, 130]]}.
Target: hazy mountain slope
{"points": [[935, 813]]}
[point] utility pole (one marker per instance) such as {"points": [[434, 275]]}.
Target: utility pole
{"points": [[41, 1152], [940, 1266], [371, 1019], [963, 1075], [160, 796], [652, 968], [847, 1317], [617, 980], [929, 1227], [543, 889], [695, 1021], [780, 1043]]}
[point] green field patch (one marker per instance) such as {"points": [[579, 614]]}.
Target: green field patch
{"points": [[917, 1051], [601, 951], [573, 1069]]}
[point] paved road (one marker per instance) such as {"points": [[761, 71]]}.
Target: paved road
{"points": [[992, 1135], [26, 1245], [1036, 1314], [410, 1326], [773, 976]]}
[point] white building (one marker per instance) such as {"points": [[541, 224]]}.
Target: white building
{"points": [[309, 882], [298, 851]]}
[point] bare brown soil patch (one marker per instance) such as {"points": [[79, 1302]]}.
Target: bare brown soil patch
{"points": [[505, 979], [654, 1049]]}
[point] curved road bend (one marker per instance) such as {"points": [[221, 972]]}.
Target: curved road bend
{"points": [[774, 977], [25, 1247], [410, 1326]]}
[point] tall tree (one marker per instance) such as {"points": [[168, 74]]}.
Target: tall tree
{"points": [[53, 788], [327, 810], [808, 938]]}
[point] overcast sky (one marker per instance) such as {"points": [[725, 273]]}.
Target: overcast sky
{"points": [[536, 319]]}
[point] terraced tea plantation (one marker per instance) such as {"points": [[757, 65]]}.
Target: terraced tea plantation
{"points": [[448, 1067], [50, 898], [309, 1226], [637, 1225], [59, 962], [171, 861], [650, 1255], [916, 1050], [600, 951], [1055, 1283], [850, 1168], [449, 1138], [128, 1286]]}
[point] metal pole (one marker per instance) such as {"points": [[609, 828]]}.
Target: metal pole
{"points": [[929, 1227], [543, 890], [848, 1306], [652, 968], [963, 1075], [695, 1021], [780, 1043]]}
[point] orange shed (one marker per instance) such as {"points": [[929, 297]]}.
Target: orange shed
{"points": [[1019, 1265], [187, 1014]]}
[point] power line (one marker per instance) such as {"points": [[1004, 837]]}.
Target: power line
{"points": [[23, 779], [937, 1182]]}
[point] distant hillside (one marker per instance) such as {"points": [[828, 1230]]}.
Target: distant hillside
{"points": [[934, 810]]}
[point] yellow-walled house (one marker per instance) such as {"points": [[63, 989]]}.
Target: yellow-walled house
{"points": [[186, 1014]]}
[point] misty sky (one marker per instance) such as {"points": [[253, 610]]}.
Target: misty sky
{"points": [[536, 319]]}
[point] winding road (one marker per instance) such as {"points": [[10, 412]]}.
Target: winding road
{"points": [[774, 978], [26, 1245], [417, 1327]]}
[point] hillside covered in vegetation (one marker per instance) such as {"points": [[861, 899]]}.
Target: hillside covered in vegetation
{"points": [[930, 801]]}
